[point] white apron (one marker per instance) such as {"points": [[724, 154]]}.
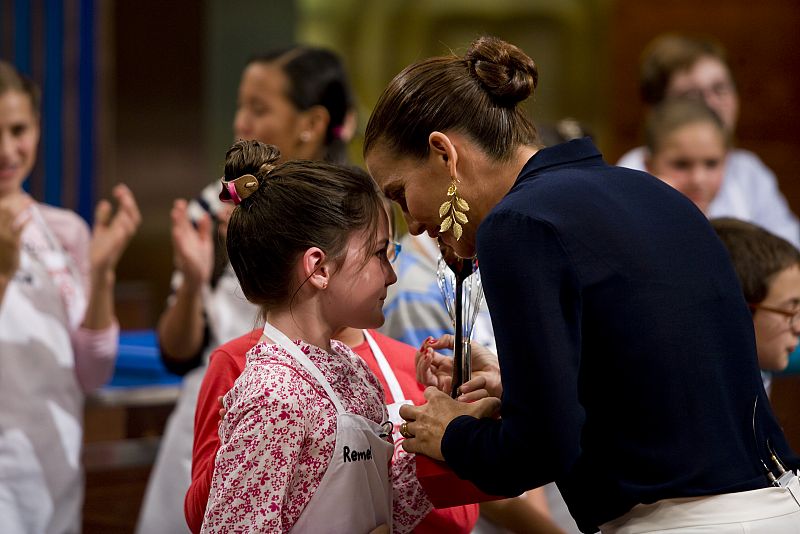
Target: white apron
{"points": [[229, 315], [355, 494], [41, 481], [398, 397]]}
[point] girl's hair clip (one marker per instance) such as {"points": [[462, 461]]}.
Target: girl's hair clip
{"points": [[239, 189]]}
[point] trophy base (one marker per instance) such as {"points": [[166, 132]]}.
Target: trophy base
{"points": [[444, 488]]}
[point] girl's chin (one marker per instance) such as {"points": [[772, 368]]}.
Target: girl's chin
{"points": [[373, 322], [378, 321]]}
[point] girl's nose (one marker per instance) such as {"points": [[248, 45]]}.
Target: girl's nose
{"points": [[391, 276]]}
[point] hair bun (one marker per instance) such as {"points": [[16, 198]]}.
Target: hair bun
{"points": [[250, 157], [503, 70]]}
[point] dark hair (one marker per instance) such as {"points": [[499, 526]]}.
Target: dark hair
{"points": [[316, 78], [12, 80], [675, 113], [477, 95], [757, 255], [297, 205], [671, 53]]}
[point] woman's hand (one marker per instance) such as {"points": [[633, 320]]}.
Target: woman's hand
{"points": [[181, 328], [434, 369], [193, 247], [13, 218], [113, 231], [427, 423]]}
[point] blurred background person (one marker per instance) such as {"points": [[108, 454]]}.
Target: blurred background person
{"points": [[58, 328], [687, 147], [681, 66]]}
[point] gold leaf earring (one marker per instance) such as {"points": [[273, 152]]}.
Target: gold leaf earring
{"points": [[452, 212]]}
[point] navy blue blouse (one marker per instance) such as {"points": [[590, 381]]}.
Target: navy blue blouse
{"points": [[626, 349]]}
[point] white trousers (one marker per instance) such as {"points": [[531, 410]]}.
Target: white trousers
{"points": [[768, 511]]}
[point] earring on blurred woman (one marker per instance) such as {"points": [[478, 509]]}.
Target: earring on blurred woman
{"points": [[452, 211]]}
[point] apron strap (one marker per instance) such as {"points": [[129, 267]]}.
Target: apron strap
{"points": [[37, 216], [280, 338], [75, 298], [386, 369], [53, 242]]}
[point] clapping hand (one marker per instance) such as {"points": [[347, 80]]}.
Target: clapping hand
{"points": [[13, 218], [193, 246], [112, 232], [434, 369]]}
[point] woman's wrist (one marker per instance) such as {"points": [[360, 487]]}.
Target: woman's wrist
{"points": [[103, 278], [191, 288], [192, 284]]}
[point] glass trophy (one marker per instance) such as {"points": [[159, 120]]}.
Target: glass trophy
{"points": [[460, 284]]}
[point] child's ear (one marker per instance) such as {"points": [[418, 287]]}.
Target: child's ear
{"points": [[314, 268]]}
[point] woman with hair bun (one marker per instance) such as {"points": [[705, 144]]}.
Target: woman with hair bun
{"points": [[626, 351]]}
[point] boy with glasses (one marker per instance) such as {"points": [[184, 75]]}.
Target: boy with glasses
{"points": [[768, 269]]}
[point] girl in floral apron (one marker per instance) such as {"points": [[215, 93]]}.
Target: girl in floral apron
{"points": [[305, 442]]}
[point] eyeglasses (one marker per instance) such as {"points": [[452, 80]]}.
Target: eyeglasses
{"points": [[393, 250], [719, 90], [793, 316]]}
